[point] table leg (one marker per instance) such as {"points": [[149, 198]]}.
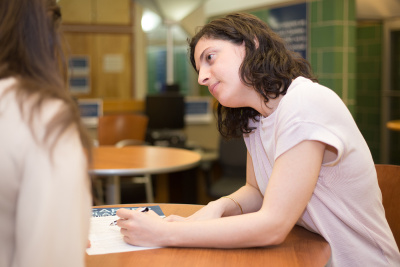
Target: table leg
{"points": [[113, 190]]}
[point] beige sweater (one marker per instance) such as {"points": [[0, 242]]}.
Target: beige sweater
{"points": [[44, 200]]}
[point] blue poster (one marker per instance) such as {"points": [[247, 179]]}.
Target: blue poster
{"points": [[290, 23]]}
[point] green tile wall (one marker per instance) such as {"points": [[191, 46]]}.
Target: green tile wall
{"points": [[369, 62], [332, 46]]}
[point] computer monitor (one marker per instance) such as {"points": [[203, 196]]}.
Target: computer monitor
{"points": [[198, 110], [90, 110], [165, 111]]}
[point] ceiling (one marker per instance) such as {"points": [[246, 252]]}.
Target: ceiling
{"points": [[366, 9], [175, 11]]}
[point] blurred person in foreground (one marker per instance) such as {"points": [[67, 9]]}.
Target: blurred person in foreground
{"points": [[45, 200]]}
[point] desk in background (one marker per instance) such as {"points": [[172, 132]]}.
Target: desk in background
{"points": [[138, 160], [301, 248]]}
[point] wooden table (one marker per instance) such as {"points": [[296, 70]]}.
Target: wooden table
{"points": [[138, 160], [301, 248], [393, 125]]}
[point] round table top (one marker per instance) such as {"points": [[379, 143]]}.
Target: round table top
{"points": [[393, 125], [300, 248], [134, 160]]}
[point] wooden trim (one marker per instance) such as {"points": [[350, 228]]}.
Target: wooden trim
{"points": [[80, 28]]}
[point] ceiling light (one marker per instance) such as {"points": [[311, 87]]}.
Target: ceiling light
{"points": [[150, 20]]}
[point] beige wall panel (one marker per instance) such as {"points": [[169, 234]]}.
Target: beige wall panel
{"points": [[113, 65], [79, 43], [113, 12], [76, 11]]}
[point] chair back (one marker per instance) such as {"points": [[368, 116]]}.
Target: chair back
{"points": [[389, 183], [115, 128]]}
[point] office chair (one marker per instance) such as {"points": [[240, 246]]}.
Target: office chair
{"points": [[389, 183], [232, 162], [126, 130], [112, 129]]}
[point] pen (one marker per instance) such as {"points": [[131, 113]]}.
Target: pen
{"points": [[145, 209]]}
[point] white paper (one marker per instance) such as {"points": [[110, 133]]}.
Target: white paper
{"points": [[106, 239]]}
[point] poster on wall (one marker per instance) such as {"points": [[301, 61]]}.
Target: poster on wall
{"points": [[79, 74], [290, 22]]}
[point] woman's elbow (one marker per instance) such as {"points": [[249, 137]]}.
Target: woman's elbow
{"points": [[274, 235], [278, 239], [274, 239]]}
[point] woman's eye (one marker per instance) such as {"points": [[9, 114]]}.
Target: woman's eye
{"points": [[210, 57]]}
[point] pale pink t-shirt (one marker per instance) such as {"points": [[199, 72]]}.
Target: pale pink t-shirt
{"points": [[346, 205]]}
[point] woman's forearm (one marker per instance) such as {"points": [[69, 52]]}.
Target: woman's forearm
{"points": [[249, 230], [248, 197]]}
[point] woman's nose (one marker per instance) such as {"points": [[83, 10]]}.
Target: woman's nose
{"points": [[203, 76]]}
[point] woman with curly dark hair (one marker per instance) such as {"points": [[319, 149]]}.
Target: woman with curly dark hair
{"points": [[45, 200], [307, 162]]}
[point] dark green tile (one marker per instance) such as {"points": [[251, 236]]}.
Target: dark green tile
{"points": [[314, 62], [332, 62], [375, 50], [332, 10], [352, 63], [262, 14], [352, 10], [327, 36], [373, 85], [366, 33], [352, 88], [352, 36], [313, 12]]}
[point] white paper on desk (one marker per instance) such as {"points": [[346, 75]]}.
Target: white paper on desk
{"points": [[106, 239]]}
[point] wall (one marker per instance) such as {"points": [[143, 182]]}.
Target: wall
{"points": [[369, 80], [347, 57], [333, 48], [331, 45], [102, 31]]}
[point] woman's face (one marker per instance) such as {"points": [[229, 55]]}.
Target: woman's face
{"points": [[218, 63]]}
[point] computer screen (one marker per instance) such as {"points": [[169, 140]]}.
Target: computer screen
{"points": [[90, 110], [165, 111], [198, 110]]}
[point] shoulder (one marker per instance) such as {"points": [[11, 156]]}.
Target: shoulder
{"points": [[308, 98], [7, 83], [303, 88]]}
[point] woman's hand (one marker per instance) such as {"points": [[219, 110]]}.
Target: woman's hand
{"points": [[142, 228]]}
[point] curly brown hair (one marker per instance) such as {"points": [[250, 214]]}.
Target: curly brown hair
{"points": [[268, 65]]}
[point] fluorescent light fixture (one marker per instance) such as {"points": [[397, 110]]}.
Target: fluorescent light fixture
{"points": [[150, 20]]}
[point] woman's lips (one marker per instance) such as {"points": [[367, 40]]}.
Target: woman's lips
{"points": [[212, 87]]}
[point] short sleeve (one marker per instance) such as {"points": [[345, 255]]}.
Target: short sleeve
{"points": [[310, 112]]}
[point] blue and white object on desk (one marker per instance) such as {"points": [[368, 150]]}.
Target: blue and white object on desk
{"points": [[102, 212]]}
